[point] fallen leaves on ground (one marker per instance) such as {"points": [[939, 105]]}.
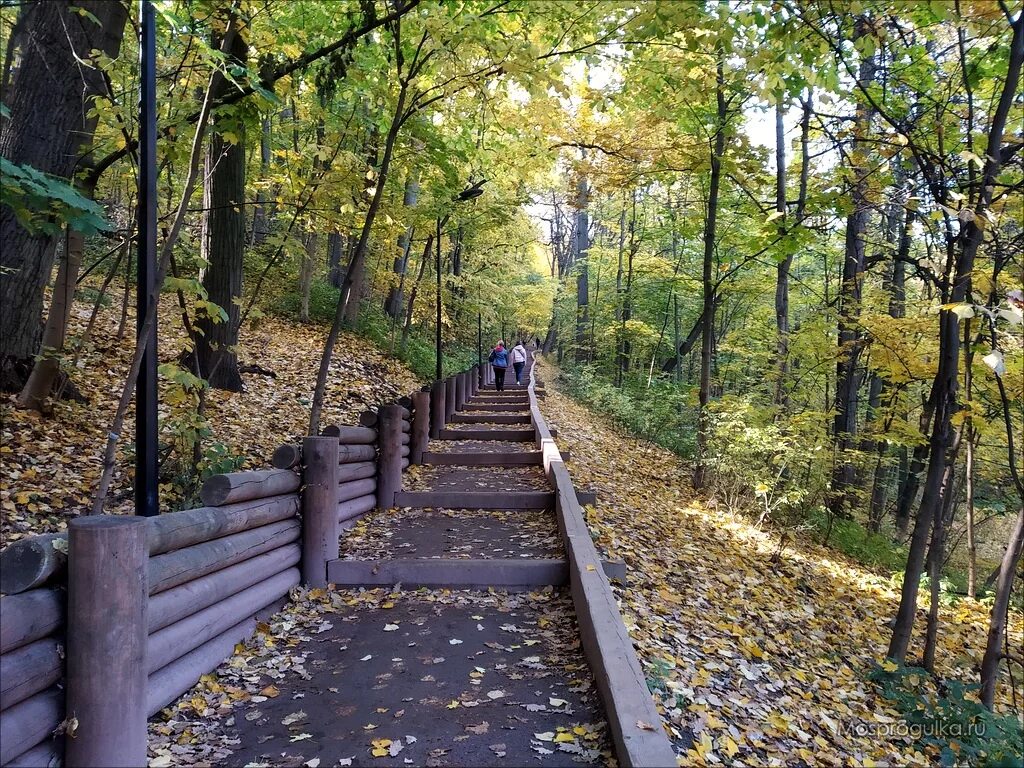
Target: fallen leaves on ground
{"points": [[52, 463], [535, 658], [751, 660]]}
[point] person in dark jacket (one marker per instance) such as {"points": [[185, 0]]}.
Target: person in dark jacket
{"points": [[499, 362]]}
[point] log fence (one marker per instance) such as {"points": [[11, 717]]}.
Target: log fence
{"points": [[105, 625]]}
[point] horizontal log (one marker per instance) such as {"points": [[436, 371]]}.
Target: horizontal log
{"points": [[26, 724], [404, 451], [368, 418], [454, 574], [176, 640], [406, 425], [357, 471], [406, 438], [475, 499], [32, 562], [286, 456], [405, 401], [348, 454], [176, 604], [29, 616], [243, 486], [353, 508], [177, 530], [184, 565], [357, 488], [167, 684], [29, 670], [29, 562], [46, 754], [352, 435], [405, 464]]}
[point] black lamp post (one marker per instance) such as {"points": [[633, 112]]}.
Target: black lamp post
{"points": [[147, 500]]}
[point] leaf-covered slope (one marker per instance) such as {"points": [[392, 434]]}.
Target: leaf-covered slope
{"points": [[51, 463], [759, 660]]}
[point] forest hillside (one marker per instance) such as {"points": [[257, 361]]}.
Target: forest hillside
{"points": [[778, 244]]}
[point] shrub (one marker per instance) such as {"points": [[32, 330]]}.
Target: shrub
{"points": [[945, 716]]}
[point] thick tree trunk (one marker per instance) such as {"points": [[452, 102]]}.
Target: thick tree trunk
{"points": [[49, 129], [848, 376], [223, 243], [707, 280]]}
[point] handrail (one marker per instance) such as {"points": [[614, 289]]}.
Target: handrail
{"points": [[633, 720]]}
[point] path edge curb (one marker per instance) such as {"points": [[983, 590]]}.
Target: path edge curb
{"points": [[633, 720]]}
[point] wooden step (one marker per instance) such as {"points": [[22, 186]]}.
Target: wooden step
{"points": [[475, 499], [452, 573], [522, 408], [486, 459], [494, 418], [509, 435]]}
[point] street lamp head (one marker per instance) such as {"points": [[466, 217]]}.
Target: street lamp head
{"points": [[471, 192]]}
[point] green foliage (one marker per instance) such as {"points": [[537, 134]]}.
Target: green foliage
{"points": [[753, 461], [418, 354], [323, 301], [45, 204], [875, 550], [946, 715], [658, 414]]}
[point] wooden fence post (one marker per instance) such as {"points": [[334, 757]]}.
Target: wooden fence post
{"points": [[389, 455], [476, 379], [420, 426], [460, 391], [437, 393], [106, 641], [319, 508], [450, 396]]}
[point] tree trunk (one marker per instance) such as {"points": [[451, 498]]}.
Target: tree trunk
{"points": [[223, 242], [944, 386], [708, 312], [358, 258], [415, 290], [395, 299], [784, 265], [47, 367], [335, 247], [844, 425], [619, 366], [997, 621], [582, 248], [49, 129], [260, 219], [306, 273]]}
